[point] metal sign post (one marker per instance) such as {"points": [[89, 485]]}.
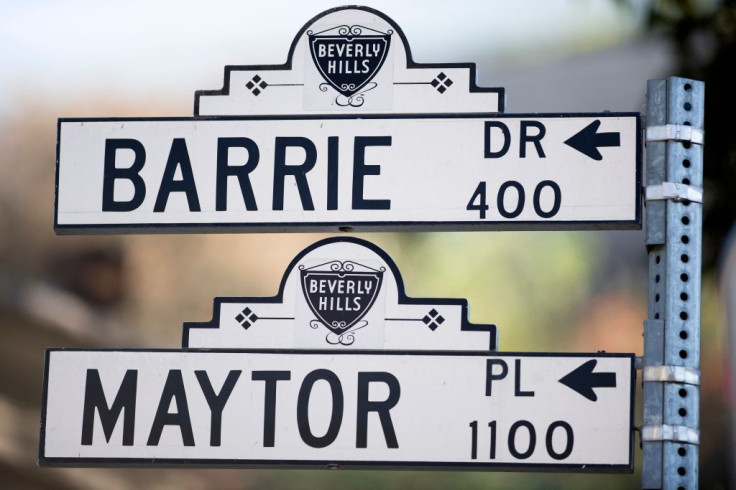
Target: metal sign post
{"points": [[671, 371]]}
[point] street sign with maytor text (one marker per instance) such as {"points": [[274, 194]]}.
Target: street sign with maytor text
{"points": [[472, 410]]}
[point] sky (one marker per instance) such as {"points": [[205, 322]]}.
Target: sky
{"points": [[134, 48]]}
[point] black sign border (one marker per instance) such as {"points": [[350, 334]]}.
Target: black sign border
{"points": [[357, 226], [410, 63], [337, 464], [403, 299]]}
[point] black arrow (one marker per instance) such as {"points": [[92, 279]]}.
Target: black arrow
{"points": [[582, 379], [588, 140]]}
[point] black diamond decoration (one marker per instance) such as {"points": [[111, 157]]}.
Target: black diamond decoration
{"points": [[441, 83], [256, 85], [246, 318], [433, 319]]}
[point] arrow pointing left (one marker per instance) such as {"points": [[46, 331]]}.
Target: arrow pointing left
{"points": [[588, 140], [582, 379]]}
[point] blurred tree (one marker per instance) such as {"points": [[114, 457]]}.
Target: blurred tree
{"points": [[704, 36]]}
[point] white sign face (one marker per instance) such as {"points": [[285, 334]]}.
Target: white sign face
{"points": [[463, 172], [470, 410]]}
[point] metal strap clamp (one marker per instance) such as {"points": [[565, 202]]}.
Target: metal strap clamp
{"points": [[675, 132], [671, 374], [672, 433], [673, 191]]}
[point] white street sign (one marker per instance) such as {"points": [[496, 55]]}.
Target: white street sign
{"points": [[349, 134], [472, 410], [329, 173]]}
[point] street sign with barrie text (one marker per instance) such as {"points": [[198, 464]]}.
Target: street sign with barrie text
{"points": [[472, 171], [349, 134]]}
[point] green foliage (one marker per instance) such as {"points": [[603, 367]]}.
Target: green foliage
{"points": [[529, 284]]}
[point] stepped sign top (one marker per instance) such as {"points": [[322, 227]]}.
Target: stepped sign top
{"points": [[349, 60], [341, 293]]}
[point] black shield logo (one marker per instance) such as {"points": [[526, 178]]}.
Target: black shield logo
{"points": [[348, 57], [340, 293]]}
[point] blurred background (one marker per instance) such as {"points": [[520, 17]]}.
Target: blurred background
{"points": [[560, 291]]}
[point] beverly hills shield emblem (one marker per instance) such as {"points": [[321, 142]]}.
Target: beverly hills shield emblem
{"points": [[348, 57], [340, 293]]}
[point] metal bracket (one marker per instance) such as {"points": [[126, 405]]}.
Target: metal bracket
{"points": [[671, 374], [673, 191], [673, 433], [675, 132]]}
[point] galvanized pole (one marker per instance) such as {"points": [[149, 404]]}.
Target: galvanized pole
{"points": [[671, 366]]}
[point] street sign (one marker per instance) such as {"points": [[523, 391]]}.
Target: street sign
{"points": [[335, 409], [349, 134], [340, 369], [479, 171]]}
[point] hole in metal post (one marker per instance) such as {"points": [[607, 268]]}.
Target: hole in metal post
{"points": [[687, 86], [686, 181], [683, 354], [685, 239], [682, 392], [684, 277], [682, 451], [683, 334], [686, 163], [684, 296], [685, 258], [685, 220], [688, 106], [682, 412], [681, 471]]}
